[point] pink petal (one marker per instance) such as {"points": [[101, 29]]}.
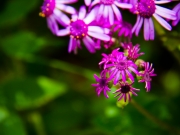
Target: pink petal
{"points": [[139, 25], [162, 22], [117, 12], [63, 32], [123, 5], [111, 15], [66, 1], [82, 12], [96, 29], [146, 29], [162, 1], [64, 19], [99, 36], [65, 8], [166, 13], [87, 2], [151, 29], [88, 42]]}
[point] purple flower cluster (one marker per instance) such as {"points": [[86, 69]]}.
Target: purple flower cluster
{"points": [[121, 69], [100, 23]]}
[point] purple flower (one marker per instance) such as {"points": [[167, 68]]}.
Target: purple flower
{"points": [[133, 51], [146, 75], [108, 8], [120, 67], [123, 28], [125, 91], [51, 9], [106, 44], [177, 10], [108, 58], [145, 9], [80, 28], [102, 84], [109, 44]]}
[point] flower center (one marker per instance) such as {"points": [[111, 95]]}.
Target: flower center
{"points": [[122, 65], [78, 29], [146, 8], [147, 77], [47, 8], [107, 2], [125, 89], [102, 82]]}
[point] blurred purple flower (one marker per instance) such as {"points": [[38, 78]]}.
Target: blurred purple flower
{"points": [[147, 74], [108, 8], [125, 91], [52, 10], [148, 8], [177, 10], [80, 28], [123, 28], [102, 84], [106, 44]]}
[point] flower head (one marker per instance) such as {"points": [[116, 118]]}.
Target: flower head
{"points": [[107, 9], [52, 10], [176, 9], [125, 91], [108, 58], [102, 84], [145, 9], [147, 74], [80, 28], [133, 51], [120, 67]]}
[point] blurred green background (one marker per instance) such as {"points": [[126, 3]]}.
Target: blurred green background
{"points": [[44, 90]]}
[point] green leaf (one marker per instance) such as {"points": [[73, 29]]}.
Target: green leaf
{"points": [[22, 44], [3, 114], [28, 93], [12, 125], [172, 41], [171, 83], [51, 87], [15, 11]]}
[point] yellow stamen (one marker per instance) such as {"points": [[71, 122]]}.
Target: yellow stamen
{"points": [[41, 14]]}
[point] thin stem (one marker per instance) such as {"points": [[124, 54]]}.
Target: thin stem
{"points": [[163, 125], [61, 65], [36, 119]]}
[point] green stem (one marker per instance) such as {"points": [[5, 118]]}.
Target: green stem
{"points": [[36, 119], [64, 66], [163, 125]]}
